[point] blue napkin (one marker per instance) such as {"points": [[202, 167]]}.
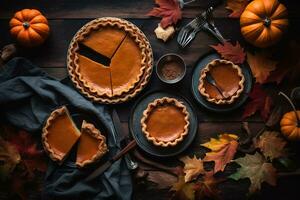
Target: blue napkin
{"points": [[27, 97]]}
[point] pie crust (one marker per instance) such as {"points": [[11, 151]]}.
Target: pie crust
{"points": [[157, 126], [58, 127], [135, 84], [91, 146], [228, 76]]}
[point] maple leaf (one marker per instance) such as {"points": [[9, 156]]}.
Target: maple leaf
{"points": [[193, 167], [169, 10], [261, 66], [32, 157], [207, 187], [256, 169], [277, 75], [271, 145], [9, 158], [183, 190], [237, 7], [234, 53], [260, 101], [222, 149]]}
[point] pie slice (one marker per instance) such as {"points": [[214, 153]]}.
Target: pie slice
{"points": [[91, 145], [105, 41], [126, 66], [95, 75], [165, 122], [229, 79], [59, 134]]}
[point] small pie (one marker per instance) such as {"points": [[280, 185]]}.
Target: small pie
{"points": [[129, 54], [229, 81], [59, 134], [165, 122], [91, 145]]}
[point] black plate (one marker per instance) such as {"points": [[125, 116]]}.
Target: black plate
{"points": [[213, 107], [138, 135]]}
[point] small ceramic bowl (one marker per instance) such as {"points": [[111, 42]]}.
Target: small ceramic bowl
{"points": [[170, 68]]}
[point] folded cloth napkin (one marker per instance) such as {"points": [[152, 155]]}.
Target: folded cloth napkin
{"points": [[27, 96]]}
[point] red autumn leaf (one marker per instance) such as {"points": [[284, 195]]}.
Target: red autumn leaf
{"points": [[207, 187], [234, 53], [237, 7], [169, 10], [260, 101], [277, 75], [32, 157]]}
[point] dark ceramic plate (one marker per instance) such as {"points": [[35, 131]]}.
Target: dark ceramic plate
{"points": [[138, 135], [213, 107]]}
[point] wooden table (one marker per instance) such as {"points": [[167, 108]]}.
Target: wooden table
{"points": [[67, 16]]}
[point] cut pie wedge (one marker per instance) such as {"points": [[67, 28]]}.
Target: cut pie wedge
{"points": [[91, 146], [59, 134]]}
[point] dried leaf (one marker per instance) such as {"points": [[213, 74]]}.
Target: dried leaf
{"points": [[169, 10], [207, 187], [261, 66], [271, 145], [234, 53], [260, 101], [256, 169], [222, 149], [237, 7], [277, 75], [193, 167], [32, 157], [9, 158], [183, 190]]}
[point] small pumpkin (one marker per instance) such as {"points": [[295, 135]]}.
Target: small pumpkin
{"points": [[290, 123], [263, 22], [29, 27]]}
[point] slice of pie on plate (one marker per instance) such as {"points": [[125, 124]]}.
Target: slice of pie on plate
{"points": [[165, 122], [228, 78], [59, 134], [91, 145]]}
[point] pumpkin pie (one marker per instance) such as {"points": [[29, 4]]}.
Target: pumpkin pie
{"points": [[59, 134], [165, 122], [229, 81], [91, 145], [130, 57]]}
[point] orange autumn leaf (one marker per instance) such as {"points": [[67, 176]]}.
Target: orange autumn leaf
{"points": [[259, 102], [169, 10], [183, 190], [234, 53], [193, 167], [237, 7], [207, 187], [261, 66], [222, 151]]}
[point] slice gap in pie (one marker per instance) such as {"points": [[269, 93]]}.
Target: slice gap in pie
{"points": [[59, 134], [91, 146], [229, 79], [165, 122]]}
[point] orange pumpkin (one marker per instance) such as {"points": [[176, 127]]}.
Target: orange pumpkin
{"points": [[29, 27], [263, 22]]}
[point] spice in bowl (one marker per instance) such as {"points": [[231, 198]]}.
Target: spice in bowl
{"points": [[170, 68]]}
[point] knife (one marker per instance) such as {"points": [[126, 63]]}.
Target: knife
{"points": [[108, 163], [118, 127]]}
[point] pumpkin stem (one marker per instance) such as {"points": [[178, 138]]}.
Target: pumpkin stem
{"points": [[293, 106], [267, 22], [26, 25]]}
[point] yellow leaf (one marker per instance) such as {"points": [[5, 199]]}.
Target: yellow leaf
{"points": [[193, 167], [261, 66], [183, 190], [217, 144]]}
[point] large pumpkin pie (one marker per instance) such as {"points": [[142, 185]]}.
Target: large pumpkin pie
{"points": [[91, 145], [165, 122], [129, 54], [229, 80], [59, 134]]}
